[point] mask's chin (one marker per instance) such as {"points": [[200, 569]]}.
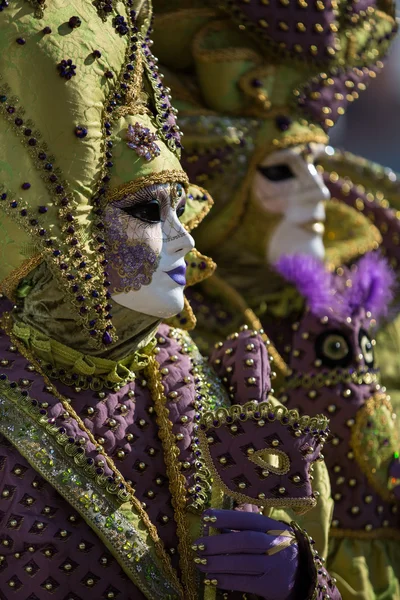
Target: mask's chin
{"points": [[153, 302], [289, 239]]}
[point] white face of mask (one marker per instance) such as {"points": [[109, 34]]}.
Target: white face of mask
{"points": [[288, 184], [147, 245]]}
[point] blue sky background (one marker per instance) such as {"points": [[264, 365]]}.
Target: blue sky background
{"points": [[371, 126]]}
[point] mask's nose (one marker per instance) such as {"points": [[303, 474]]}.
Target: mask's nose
{"points": [[180, 241], [318, 183]]}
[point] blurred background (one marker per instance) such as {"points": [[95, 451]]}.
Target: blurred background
{"points": [[371, 126]]}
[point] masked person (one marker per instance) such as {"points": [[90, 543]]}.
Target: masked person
{"points": [[259, 85], [119, 446]]}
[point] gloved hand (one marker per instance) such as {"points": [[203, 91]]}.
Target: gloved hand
{"points": [[252, 554]]}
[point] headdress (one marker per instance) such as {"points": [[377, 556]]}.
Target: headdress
{"points": [[252, 76], [85, 119]]}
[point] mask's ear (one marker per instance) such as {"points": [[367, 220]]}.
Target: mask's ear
{"points": [[373, 284], [311, 279]]}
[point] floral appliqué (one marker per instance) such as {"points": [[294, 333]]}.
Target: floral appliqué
{"points": [[143, 141]]}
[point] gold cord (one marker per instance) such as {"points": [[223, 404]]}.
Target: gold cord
{"points": [[177, 481]]}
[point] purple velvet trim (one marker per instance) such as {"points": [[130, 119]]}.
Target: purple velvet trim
{"points": [[334, 96], [311, 279], [268, 20], [372, 286]]}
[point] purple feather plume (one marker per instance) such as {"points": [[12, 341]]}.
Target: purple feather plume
{"points": [[311, 279], [372, 286]]}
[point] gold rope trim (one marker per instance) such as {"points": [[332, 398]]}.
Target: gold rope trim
{"points": [[131, 187], [177, 481], [380, 533], [9, 284], [6, 324]]}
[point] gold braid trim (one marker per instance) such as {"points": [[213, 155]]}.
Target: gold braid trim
{"points": [[381, 533], [302, 138], [9, 284], [6, 324], [177, 481], [135, 103], [250, 317], [172, 176], [333, 377]]}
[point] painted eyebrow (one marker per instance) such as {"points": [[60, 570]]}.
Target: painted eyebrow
{"points": [[160, 192]]}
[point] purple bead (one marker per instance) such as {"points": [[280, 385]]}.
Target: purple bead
{"points": [[26, 185], [32, 142], [21, 41], [109, 74], [23, 212], [107, 339], [43, 209], [96, 53], [14, 204], [81, 132], [257, 83], [282, 122], [46, 30], [74, 22], [18, 121]]}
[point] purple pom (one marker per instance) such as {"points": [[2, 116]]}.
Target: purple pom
{"points": [[311, 279]]}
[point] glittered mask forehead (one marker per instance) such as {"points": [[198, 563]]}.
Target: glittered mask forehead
{"points": [[85, 119]]}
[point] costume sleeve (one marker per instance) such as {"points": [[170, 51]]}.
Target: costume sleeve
{"points": [[313, 581], [243, 365]]}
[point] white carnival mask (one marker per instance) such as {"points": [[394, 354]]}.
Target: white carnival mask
{"points": [[147, 245], [288, 184]]}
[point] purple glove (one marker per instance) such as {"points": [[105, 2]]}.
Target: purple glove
{"points": [[394, 471], [253, 554]]}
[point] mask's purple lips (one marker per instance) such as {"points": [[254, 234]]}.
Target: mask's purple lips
{"points": [[178, 275]]}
